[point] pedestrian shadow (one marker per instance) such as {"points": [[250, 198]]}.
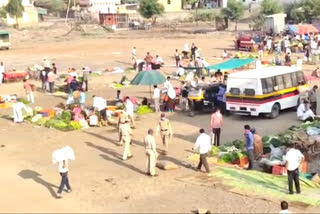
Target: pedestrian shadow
{"points": [[114, 142], [175, 161], [188, 138], [30, 174], [105, 150], [124, 164]]}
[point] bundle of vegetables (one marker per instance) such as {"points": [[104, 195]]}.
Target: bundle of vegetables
{"points": [[144, 110], [214, 151], [232, 157], [65, 116], [24, 101], [58, 124]]}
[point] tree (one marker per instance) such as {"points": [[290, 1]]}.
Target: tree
{"points": [[150, 9], [303, 11], [234, 11], [270, 7], [15, 9], [54, 6]]}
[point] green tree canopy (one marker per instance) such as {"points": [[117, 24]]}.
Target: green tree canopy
{"points": [[234, 11], [150, 9], [52, 5], [269, 7], [303, 11], [15, 9]]}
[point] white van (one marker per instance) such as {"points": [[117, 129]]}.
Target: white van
{"points": [[263, 91]]}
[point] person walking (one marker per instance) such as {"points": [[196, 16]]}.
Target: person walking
{"points": [[85, 78], [2, 70], [126, 133], [177, 57], [54, 68], [216, 125], [184, 102], [123, 118], [43, 78], [165, 129], [63, 170], [130, 111], [203, 143], [293, 160], [51, 80], [151, 153], [29, 91], [82, 99], [156, 98], [249, 145], [313, 99]]}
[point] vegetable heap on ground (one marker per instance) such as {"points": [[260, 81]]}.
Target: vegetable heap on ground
{"points": [[144, 110], [61, 121]]}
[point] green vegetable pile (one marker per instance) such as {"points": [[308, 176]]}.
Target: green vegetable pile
{"points": [[144, 110], [24, 101]]}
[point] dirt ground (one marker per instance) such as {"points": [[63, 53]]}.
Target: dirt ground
{"points": [[100, 180]]}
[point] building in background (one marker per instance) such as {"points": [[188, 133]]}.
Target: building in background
{"points": [[275, 23], [171, 5], [29, 15]]}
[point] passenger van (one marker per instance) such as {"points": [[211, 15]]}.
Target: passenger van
{"points": [[263, 91]]}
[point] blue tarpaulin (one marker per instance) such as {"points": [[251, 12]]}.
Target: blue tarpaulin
{"points": [[230, 64]]}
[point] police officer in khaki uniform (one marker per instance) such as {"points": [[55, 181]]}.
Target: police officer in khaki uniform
{"points": [[151, 153], [126, 134], [124, 117], [164, 127]]}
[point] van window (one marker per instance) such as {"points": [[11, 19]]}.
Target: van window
{"points": [[279, 82], [249, 92], [287, 81], [235, 91], [294, 79], [267, 85], [300, 76]]}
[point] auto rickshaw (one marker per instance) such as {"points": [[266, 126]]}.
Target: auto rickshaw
{"points": [[5, 40], [203, 98]]}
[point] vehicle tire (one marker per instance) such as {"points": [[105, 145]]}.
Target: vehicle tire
{"points": [[275, 110]]}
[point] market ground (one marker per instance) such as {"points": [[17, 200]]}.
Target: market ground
{"points": [[101, 181]]}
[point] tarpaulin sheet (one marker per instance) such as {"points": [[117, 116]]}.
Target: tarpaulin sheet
{"points": [[231, 64], [268, 186], [303, 28]]}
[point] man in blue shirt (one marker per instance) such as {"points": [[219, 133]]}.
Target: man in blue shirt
{"points": [[249, 145]]}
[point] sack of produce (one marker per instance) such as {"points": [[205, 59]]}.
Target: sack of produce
{"points": [[166, 165]]}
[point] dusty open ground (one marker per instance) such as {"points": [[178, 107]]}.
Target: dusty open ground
{"points": [[29, 179]]}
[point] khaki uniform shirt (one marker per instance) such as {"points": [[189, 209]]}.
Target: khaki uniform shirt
{"points": [[125, 130], [150, 142]]}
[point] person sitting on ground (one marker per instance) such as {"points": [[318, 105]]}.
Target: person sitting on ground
{"points": [[119, 98], [304, 112], [93, 119], [144, 101], [284, 207], [74, 84], [316, 72], [224, 54]]}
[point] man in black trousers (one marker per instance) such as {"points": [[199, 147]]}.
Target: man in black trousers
{"points": [[293, 158]]}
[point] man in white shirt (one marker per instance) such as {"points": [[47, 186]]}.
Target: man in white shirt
{"points": [[293, 160], [17, 108], [2, 70], [156, 98], [130, 111], [203, 143], [100, 104], [63, 170], [303, 112], [159, 60], [167, 83], [299, 62], [258, 63]]}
